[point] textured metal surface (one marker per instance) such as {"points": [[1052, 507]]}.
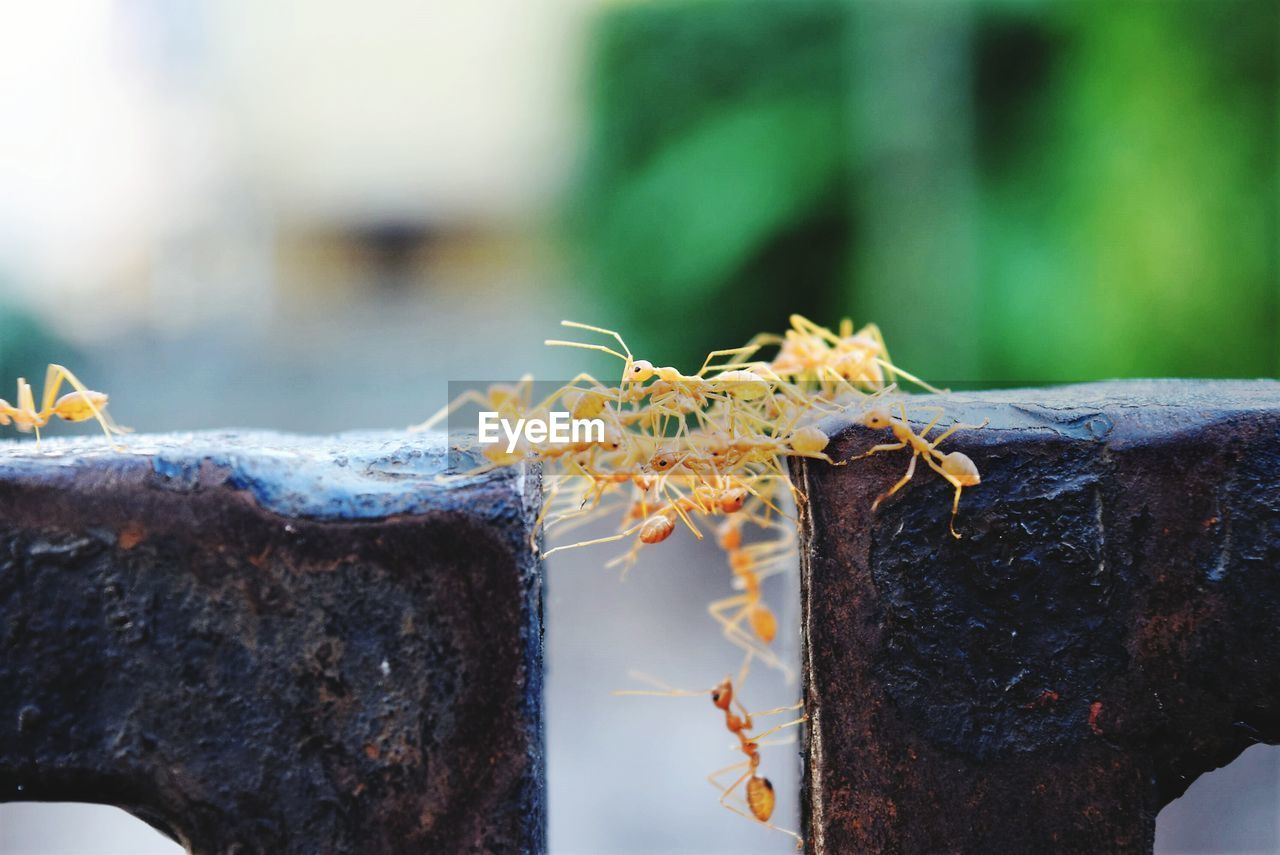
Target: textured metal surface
{"points": [[1107, 629], [270, 643]]}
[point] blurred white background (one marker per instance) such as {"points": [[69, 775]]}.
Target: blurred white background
{"points": [[310, 216]]}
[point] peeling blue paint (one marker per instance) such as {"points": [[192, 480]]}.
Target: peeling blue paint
{"points": [[352, 476]]}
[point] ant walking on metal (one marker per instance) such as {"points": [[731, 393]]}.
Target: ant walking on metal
{"points": [[76, 406], [959, 470]]}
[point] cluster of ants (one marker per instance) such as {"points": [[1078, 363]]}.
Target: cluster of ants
{"points": [[706, 449], [709, 450]]}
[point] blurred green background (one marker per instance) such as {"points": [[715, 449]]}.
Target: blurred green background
{"points": [[1015, 191]]}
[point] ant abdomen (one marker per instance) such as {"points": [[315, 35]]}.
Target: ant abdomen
{"points": [[760, 797], [763, 623]]}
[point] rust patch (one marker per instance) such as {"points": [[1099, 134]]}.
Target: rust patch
{"points": [[1095, 711], [131, 535]]}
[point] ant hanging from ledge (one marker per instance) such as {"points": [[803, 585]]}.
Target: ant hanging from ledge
{"points": [[758, 791]]}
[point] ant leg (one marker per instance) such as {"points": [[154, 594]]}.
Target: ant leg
{"points": [[888, 446], [763, 551], [873, 330], [770, 550], [52, 383], [911, 470], [955, 509], [626, 560], [745, 351], [742, 673], [471, 396], [525, 385], [684, 518], [837, 380], [594, 542], [765, 500], [957, 426], [805, 326], [719, 607], [787, 831], [554, 342], [731, 629], [539, 525], [725, 792], [662, 690], [777, 727], [26, 400], [572, 385], [57, 374], [816, 455], [739, 638], [955, 504], [728, 791], [777, 711], [772, 568], [768, 825], [567, 521], [711, 778], [938, 413], [895, 370], [767, 340], [602, 331]]}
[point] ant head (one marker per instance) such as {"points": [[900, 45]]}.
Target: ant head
{"points": [[722, 695], [960, 467], [662, 461], [732, 500], [612, 438], [641, 370], [876, 419]]}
